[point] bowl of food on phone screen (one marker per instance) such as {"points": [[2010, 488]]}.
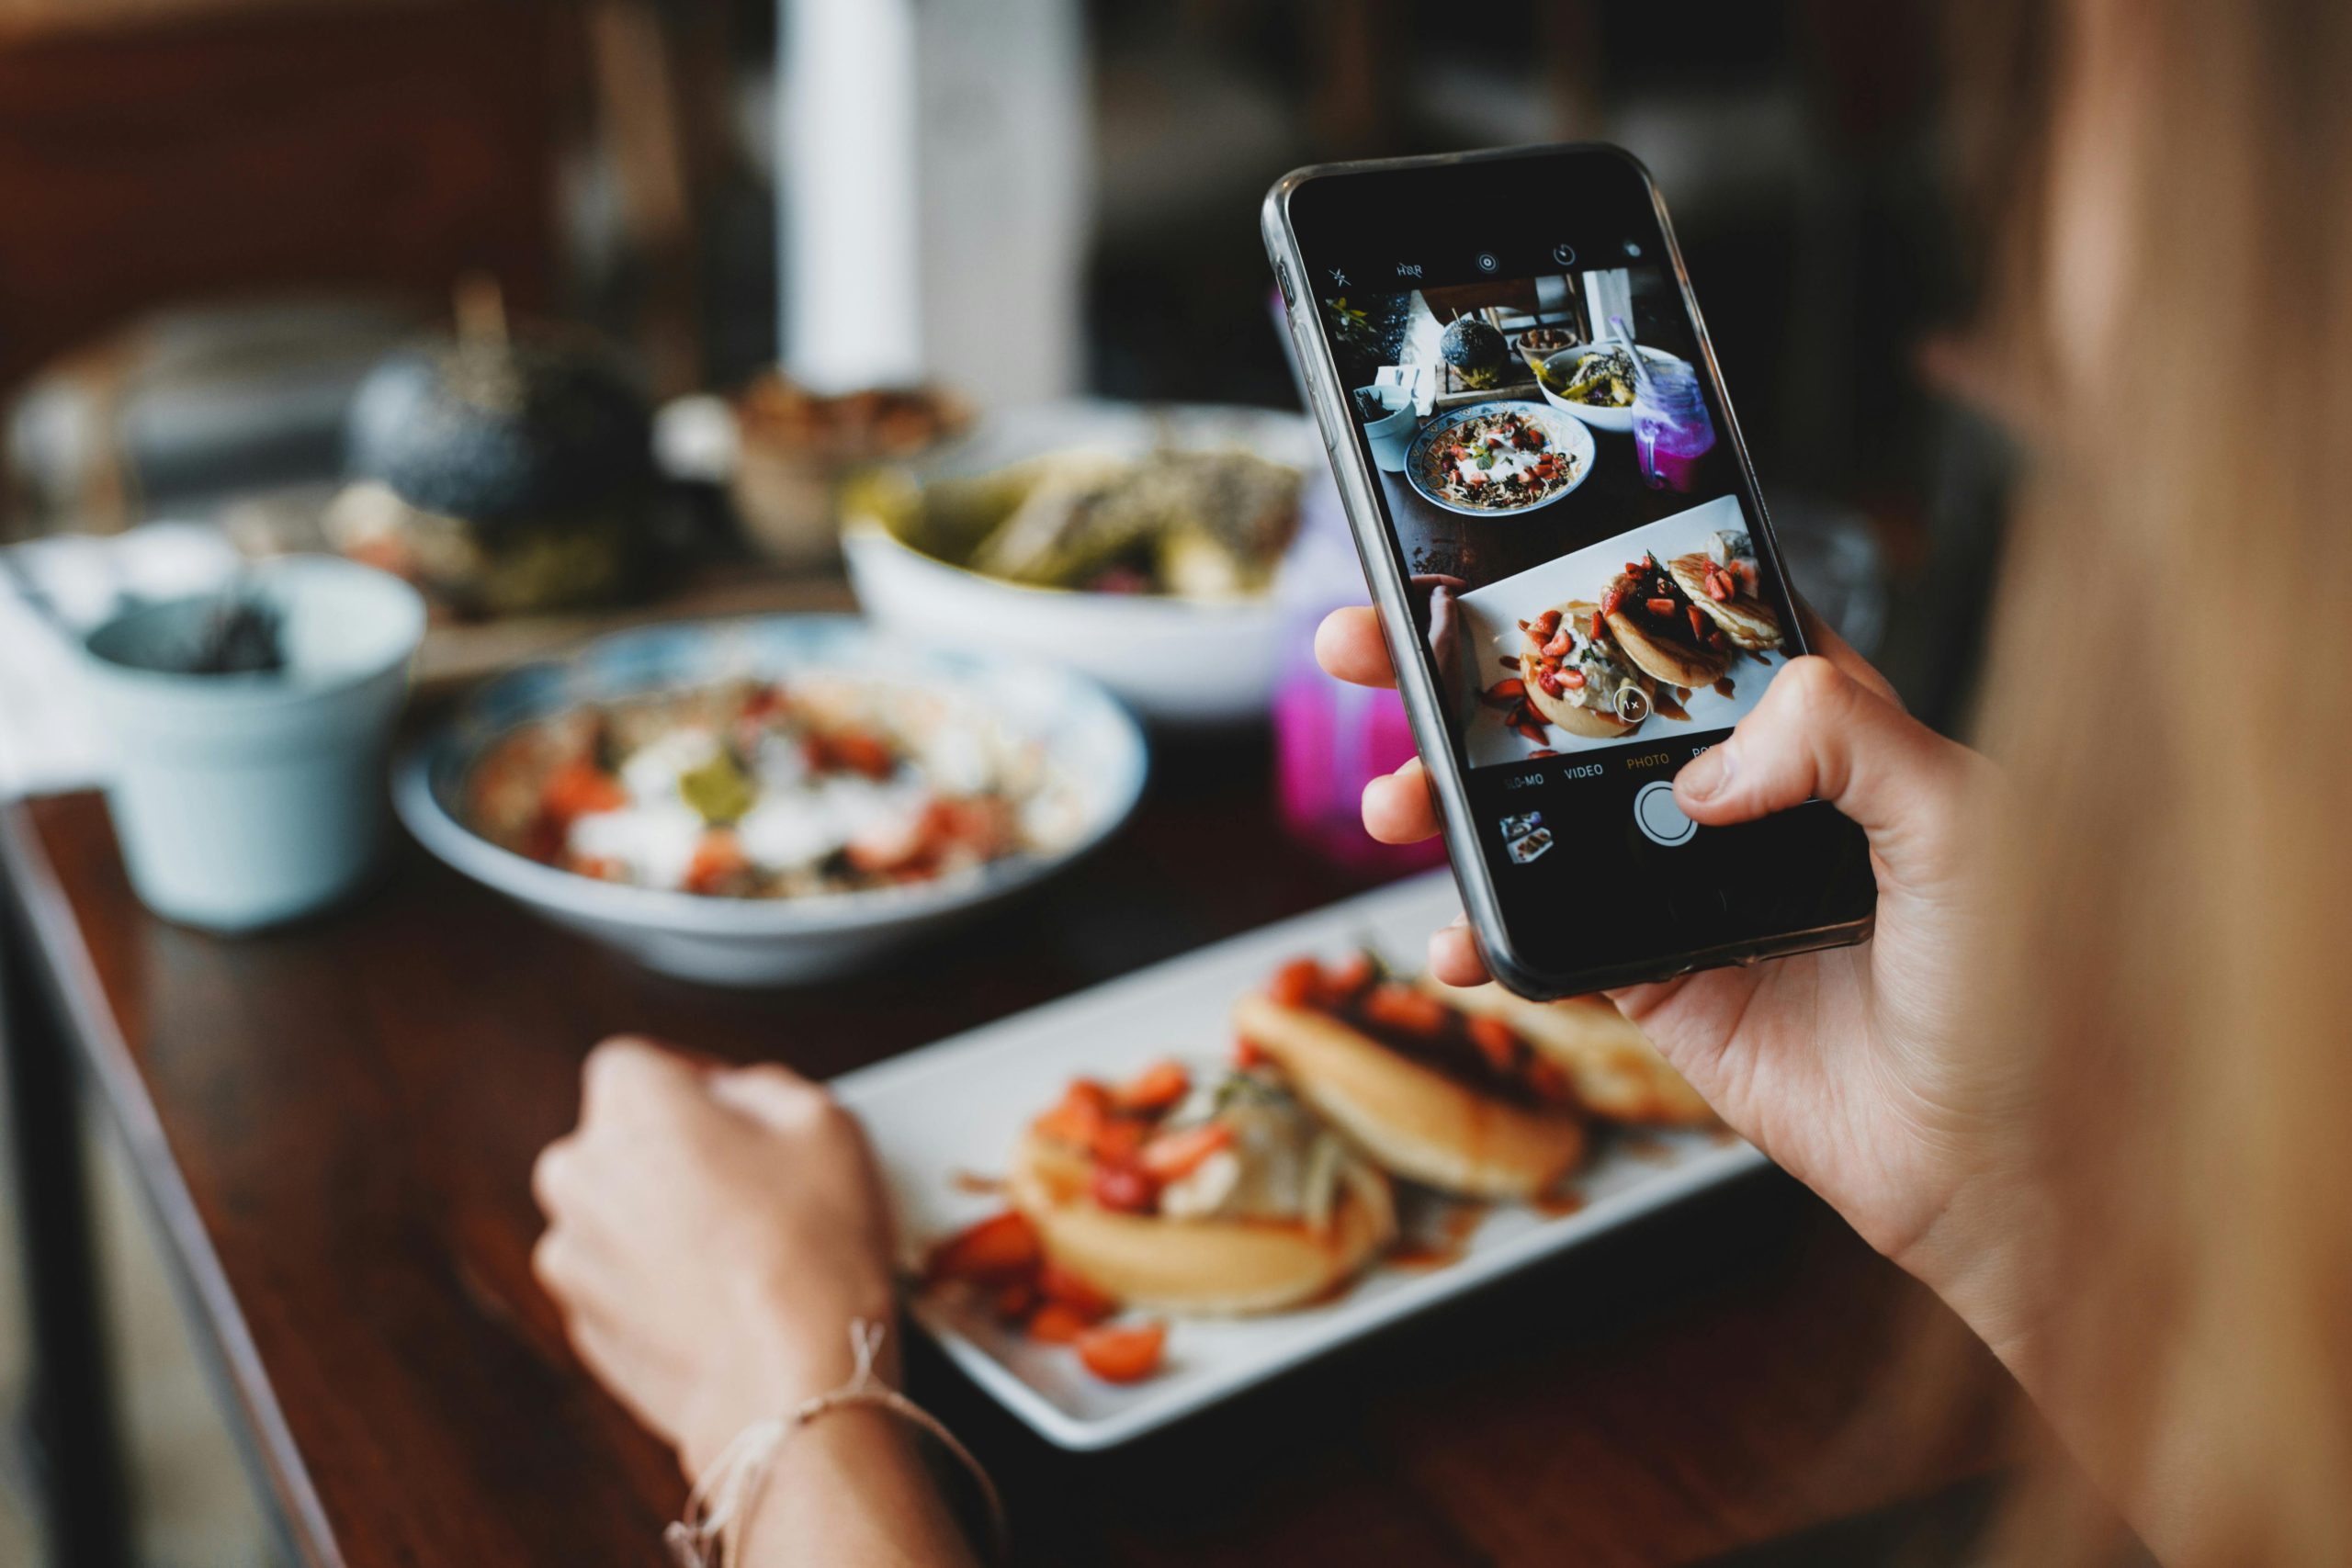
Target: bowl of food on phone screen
{"points": [[1499, 457], [1137, 543], [1595, 383]]}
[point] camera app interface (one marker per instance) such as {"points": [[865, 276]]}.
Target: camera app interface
{"points": [[1550, 455]]}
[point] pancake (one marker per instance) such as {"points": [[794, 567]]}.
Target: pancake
{"points": [[1664, 653], [1412, 1119], [1616, 1071], [1592, 723], [1746, 619], [1205, 1267]]}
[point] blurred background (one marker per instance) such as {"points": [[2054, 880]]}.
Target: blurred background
{"points": [[818, 233]]}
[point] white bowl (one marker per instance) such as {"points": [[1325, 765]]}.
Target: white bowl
{"points": [[1620, 420], [1093, 746], [1177, 662]]}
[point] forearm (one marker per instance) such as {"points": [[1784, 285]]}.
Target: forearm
{"points": [[850, 1489], [1988, 1258]]}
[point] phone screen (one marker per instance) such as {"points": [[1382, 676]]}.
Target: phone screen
{"points": [[1587, 560]]}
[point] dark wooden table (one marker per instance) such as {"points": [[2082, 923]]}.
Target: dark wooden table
{"points": [[335, 1123]]}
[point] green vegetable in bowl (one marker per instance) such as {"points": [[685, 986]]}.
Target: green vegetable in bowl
{"points": [[1193, 523], [720, 791], [1602, 380]]}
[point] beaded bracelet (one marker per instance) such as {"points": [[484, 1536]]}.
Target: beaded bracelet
{"points": [[728, 1492]]}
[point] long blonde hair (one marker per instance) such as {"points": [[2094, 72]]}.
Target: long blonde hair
{"points": [[2170, 685]]}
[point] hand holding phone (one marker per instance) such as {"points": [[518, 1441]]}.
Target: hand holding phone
{"points": [[1844, 1065]]}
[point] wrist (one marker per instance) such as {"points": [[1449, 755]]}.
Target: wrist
{"points": [[1981, 1255], [783, 1353]]}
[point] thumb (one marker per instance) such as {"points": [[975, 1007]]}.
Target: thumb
{"points": [[1821, 734]]}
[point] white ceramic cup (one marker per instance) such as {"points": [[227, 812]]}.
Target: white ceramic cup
{"points": [[242, 801], [1392, 437]]}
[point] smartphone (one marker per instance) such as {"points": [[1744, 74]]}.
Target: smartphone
{"points": [[1572, 562]]}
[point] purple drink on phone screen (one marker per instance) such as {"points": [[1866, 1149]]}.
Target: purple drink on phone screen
{"points": [[1672, 430]]}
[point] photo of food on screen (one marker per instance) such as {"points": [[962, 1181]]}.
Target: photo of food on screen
{"points": [[1548, 458]]}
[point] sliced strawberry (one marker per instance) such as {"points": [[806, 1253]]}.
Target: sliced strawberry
{"points": [[1495, 1042], [1118, 1140], [1000, 1250], [1157, 1087], [1079, 1118], [1075, 1292], [1400, 1006], [1127, 1353], [1547, 1080], [1055, 1324], [1297, 983], [1172, 1156], [1125, 1188], [1350, 973]]}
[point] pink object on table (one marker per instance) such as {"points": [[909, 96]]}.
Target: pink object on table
{"points": [[1331, 738]]}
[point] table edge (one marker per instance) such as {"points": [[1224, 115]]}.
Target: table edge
{"points": [[31, 879]]}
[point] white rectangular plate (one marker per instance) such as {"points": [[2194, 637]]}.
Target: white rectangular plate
{"points": [[948, 1112]]}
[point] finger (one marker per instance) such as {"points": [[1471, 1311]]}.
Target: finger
{"points": [[1823, 638], [1349, 648], [1819, 733], [556, 1264], [554, 1173], [1453, 957], [1397, 808], [774, 1095], [627, 1070]]}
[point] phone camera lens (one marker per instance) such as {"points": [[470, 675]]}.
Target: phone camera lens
{"points": [[1632, 249], [1564, 256], [1486, 262]]}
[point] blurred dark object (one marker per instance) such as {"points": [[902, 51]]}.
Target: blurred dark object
{"points": [[184, 406], [501, 473], [242, 636], [228, 152]]}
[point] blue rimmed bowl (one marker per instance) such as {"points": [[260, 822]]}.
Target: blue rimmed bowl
{"points": [[1090, 746]]}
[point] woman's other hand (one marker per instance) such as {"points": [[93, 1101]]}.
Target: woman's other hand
{"points": [[1843, 1065], [711, 1236]]}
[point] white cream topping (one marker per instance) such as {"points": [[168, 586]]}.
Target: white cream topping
{"points": [[655, 839]]}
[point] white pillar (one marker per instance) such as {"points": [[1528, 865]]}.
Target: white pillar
{"points": [[936, 165]]}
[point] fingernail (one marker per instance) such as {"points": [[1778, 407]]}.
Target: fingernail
{"points": [[1706, 775]]}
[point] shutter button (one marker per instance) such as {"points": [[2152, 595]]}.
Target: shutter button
{"points": [[1660, 821]]}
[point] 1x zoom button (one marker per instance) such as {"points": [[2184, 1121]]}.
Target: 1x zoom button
{"points": [[1660, 821]]}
